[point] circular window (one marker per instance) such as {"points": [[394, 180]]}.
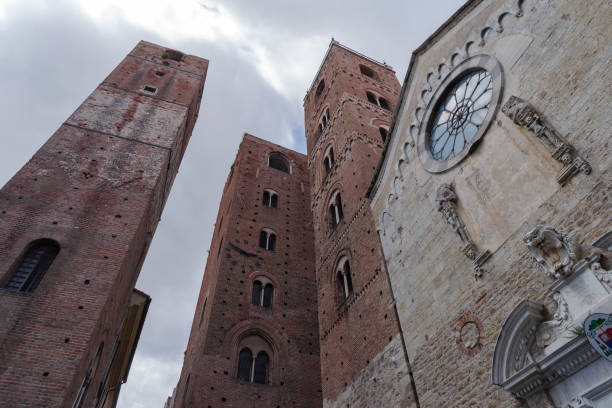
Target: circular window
{"points": [[459, 113]]}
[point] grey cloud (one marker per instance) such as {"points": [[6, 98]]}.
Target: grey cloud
{"points": [[54, 56]]}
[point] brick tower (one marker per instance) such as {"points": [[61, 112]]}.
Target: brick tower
{"points": [[348, 111], [75, 225], [254, 337]]}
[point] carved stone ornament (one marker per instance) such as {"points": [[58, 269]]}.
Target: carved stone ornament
{"points": [[446, 200], [470, 335], [552, 251], [533, 353], [526, 116]]}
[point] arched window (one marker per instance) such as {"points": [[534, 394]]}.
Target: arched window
{"points": [[383, 133], [372, 98], [267, 239], [32, 266], [256, 293], [260, 372], [382, 102], [245, 361], [343, 279], [267, 295], [328, 159], [254, 360], [378, 101], [277, 161], [324, 120], [262, 293], [367, 71], [335, 209], [270, 199]]}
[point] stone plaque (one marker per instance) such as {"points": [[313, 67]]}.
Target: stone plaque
{"points": [[598, 329]]}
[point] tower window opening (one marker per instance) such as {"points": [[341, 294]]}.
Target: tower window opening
{"points": [[270, 199], [367, 71], [267, 240], [328, 159], [277, 161], [335, 210], [320, 89], [383, 103], [32, 266], [372, 98], [343, 279], [254, 360], [150, 89], [262, 294], [383, 133]]}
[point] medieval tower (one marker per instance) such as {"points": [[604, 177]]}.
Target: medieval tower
{"points": [[254, 337], [75, 225], [348, 111]]}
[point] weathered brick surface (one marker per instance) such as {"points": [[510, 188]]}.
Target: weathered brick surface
{"points": [[208, 378], [556, 57], [359, 336], [97, 187]]}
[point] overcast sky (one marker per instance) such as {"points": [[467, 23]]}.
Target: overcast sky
{"points": [[263, 56]]}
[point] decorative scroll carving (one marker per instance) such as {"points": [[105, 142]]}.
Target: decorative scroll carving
{"points": [[446, 200], [552, 251], [525, 115], [547, 332]]}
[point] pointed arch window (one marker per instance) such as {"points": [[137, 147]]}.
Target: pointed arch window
{"points": [[320, 89], [254, 360], [324, 120], [32, 266], [267, 239], [335, 210], [328, 159], [270, 198], [344, 282]]}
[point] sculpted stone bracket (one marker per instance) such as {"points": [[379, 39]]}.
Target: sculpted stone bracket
{"points": [[526, 116], [446, 200]]}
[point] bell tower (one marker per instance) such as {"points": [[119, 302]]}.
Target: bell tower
{"points": [[348, 111]]}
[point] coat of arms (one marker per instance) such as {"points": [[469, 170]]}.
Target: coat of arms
{"points": [[598, 329]]}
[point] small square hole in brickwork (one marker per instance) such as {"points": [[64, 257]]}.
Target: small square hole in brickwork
{"points": [[150, 89], [160, 74]]}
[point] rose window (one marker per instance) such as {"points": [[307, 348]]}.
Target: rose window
{"points": [[460, 115]]}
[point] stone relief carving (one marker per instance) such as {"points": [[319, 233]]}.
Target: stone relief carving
{"points": [[552, 251], [602, 275], [446, 200], [526, 116], [580, 402], [470, 335], [547, 332]]}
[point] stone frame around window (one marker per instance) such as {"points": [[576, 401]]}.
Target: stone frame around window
{"points": [[475, 63]]}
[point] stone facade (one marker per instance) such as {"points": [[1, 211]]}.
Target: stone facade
{"points": [[543, 159], [96, 189], [225, 314]]}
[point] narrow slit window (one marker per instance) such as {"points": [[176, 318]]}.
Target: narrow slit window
{"points": [[267, 295], [245, 362], [256, 295]]}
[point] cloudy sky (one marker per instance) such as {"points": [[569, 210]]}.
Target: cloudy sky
{"points": [[263, 56]]}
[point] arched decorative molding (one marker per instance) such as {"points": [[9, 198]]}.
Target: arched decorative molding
{"points": [[251, 277]]}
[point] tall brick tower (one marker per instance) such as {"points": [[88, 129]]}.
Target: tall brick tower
{"points": [[254, 337], [348, 111], [75, 225]]}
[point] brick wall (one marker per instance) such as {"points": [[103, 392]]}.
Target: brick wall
{"points": [[97, 187]]}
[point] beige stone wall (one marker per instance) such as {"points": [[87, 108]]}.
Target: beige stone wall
{"points": [[556, 57], [382, 383]]}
